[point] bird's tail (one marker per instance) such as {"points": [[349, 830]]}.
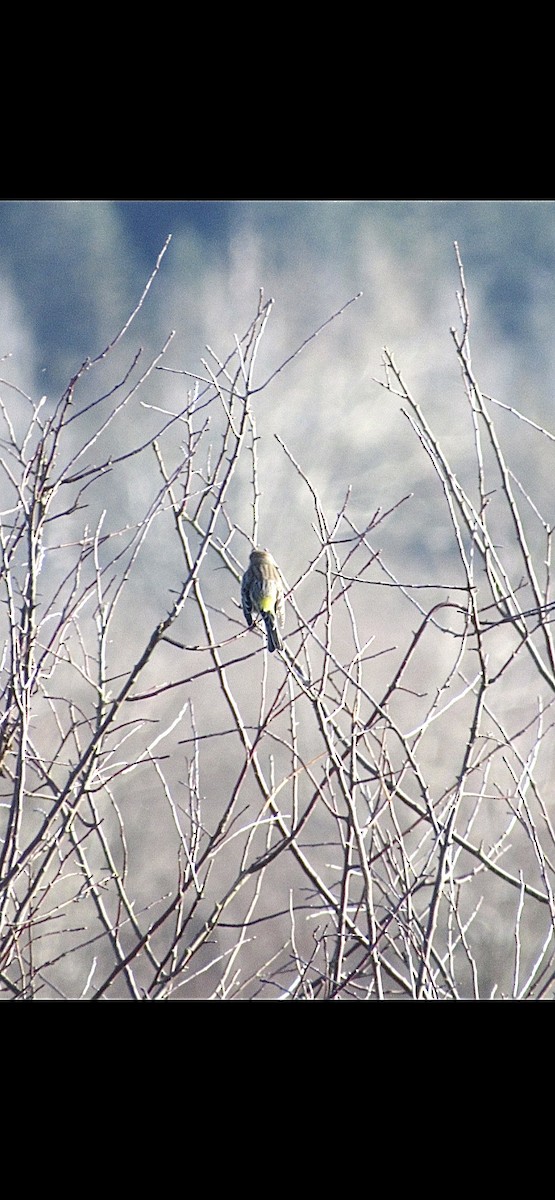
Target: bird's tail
{"points": [[274, 639]]}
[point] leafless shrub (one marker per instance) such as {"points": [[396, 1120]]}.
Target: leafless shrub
{"points": [[183, 816]]}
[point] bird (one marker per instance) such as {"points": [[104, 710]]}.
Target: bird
{"points": [[262, 594]]}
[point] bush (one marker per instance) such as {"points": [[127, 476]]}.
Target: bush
{"points": [[364, 816]]}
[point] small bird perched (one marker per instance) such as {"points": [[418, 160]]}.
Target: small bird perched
{"points": [[262, 593]]}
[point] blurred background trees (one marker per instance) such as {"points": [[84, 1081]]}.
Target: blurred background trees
{"points": [[369, 815]]}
